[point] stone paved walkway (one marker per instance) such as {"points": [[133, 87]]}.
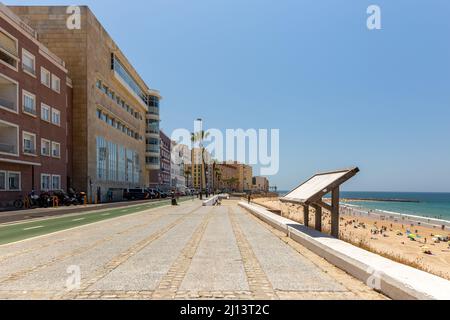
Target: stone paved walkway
{"points": [[184, 252]]}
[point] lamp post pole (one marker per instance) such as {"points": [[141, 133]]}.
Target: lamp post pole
{"points": [[200, 121]]}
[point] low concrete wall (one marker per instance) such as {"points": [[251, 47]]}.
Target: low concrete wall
{"points": [[211, 201], [215, 199], [393, 279]]}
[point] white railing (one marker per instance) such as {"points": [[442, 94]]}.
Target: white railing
{"points": [[7, 148], [8, 104]]}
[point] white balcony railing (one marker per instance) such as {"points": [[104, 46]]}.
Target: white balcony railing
{"points": [[9, 138], [4, 102], [7, 148]]}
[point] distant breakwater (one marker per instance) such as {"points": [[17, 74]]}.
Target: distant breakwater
{"points": [[383, 200]]}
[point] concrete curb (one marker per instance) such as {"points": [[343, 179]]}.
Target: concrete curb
{"points": [[213, 200], [393, 279]]}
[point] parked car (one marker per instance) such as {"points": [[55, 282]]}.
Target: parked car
{"points": [[136, 194], [163, 194], [153, 193]]}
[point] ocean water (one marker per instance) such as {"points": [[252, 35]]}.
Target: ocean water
{"points": [[431, 205]]}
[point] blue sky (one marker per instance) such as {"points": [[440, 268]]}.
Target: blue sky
{"points": [[340, 94]]}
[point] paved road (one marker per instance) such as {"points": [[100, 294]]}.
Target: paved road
{"points": [[180, 252], [14, 232], [38, 213]]}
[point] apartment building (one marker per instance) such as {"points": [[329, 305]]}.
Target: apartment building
{"points": [[181, 155], [227, 177], [260, 184], [201, 173], [115, 113], [35, 110], [165, 169]]}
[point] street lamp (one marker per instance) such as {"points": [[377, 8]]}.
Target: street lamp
{"points": [[200, 123]]}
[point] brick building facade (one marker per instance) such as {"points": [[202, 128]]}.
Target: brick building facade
{"points": [[35, 113]]}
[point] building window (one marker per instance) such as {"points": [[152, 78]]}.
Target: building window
{"points": [[45, 112], [56, 83], [9, 93], [45, 147], [56, 150], [122, 72], [8, 50], [45, 77], [28, 63], [29, 143], [14, 183], [29, 103], [56, 182], [112, 161], [2, 180], [56, 117], [45, 182], [101, 158], [122, 164]]}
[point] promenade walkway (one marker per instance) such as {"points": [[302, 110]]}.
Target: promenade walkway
{"points": [[188, 251]]}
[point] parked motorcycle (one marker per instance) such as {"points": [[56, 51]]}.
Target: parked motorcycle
{"points": [[78, 198], [33, 200], [63, 198]]}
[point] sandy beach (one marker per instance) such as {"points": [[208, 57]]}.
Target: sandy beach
{"points": [[388, 238]]}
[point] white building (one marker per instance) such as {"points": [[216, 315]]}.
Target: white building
{"points": [[181, 155]]}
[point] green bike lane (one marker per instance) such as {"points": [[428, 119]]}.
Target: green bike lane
{"points": [[26, 230]]}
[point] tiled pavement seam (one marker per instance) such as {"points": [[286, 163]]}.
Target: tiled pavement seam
{"points": [[54, 242], [169, 285], [357, 289], [201, 295], [81, 250], [259, 284], [122, 258]]}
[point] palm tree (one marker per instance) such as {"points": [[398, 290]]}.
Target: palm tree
{"points": [[216, 172], [219, 177], [200, 137], [234, 181], [231, 183]]}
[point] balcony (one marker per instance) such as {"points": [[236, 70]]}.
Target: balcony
{"points": [[9, 140], [152, 149], [8, 58], [152, 163], [8, 94], [153, 111], [8, 50], [152, 131]]}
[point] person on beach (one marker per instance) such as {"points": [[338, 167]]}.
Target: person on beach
{"points": [[249, 198]]}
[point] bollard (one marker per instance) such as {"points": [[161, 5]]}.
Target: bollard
{"points": [[55, 202]]}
